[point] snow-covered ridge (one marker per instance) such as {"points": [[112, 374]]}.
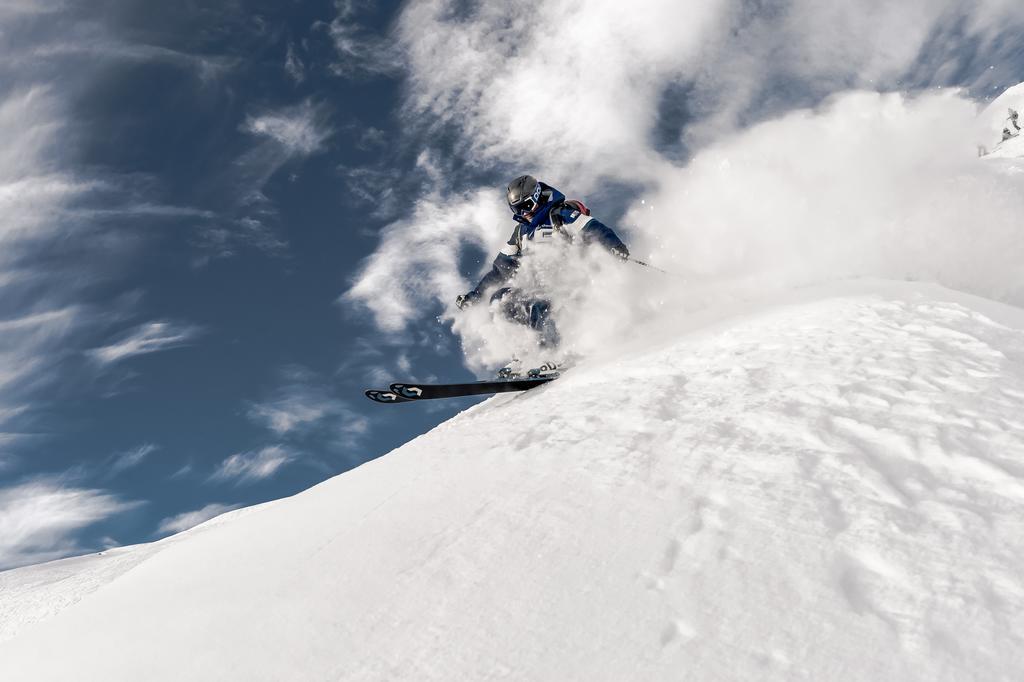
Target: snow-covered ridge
{"points": [[828, 488]]}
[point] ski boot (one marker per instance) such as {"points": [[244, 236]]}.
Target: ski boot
{"points": [[513, 370], [545, 370]]}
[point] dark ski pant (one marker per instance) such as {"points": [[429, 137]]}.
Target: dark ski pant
{"points": [[533, 312]]}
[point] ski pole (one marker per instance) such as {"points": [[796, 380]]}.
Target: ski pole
{"points": [[655, 268]]}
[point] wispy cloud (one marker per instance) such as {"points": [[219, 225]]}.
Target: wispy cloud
{"points": [[376, 188], [207, 67], [32, 347], [288, 413], [45, 196], [281, 136], [147, 338], [186, 520], [142, 210], [39, 518], [360, 51], [379, 364], [249, 467], [130, 458], [301, 404], [299, 130], [32, 188], [70, 37], [293, 65], [37, 317], [219, 241], [25, 339]]}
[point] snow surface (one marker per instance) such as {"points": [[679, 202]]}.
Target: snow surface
{"points": [[829, 488], [35, 593]]}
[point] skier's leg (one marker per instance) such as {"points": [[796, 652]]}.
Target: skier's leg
{"points": [[500, 294], [541, 320], [512, 306], [534, 313]]}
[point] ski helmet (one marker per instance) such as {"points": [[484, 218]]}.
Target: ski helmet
{"points": [[524, 195]]}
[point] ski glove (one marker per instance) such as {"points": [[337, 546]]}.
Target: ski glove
{"points": [[467, 299]]}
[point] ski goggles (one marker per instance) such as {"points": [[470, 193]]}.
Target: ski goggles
{"points": [[524, 206]]}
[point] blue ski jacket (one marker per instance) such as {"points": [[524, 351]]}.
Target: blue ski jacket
{"points": [[558, 218]]}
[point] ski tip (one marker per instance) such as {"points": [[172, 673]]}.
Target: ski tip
{"points": [[407, 391], [384, 396]]}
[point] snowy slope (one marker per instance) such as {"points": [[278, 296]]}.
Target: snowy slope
{"points": [[830, 488], [35, 593]]}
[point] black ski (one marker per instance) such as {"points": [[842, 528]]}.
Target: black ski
{"points": [[404, 393], [435, 391], [385, 396]]}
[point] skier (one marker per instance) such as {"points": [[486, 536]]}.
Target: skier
{"points": [[1011, 128], [543, 217]]}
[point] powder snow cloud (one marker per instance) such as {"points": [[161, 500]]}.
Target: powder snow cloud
{"points": [[782, 171]]}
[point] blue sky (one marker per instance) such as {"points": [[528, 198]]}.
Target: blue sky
{"points": [[222, 220], [208, 177]]}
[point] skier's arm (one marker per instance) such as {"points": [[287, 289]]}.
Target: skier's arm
{"points": [[575, 218], [597, 232], [504, 267]]}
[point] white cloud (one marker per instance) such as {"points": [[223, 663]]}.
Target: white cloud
{"points": [[288, 413], [147, 338], [31, 347], [130, 458], [300, 404], [142, 210], [33, 194], [100, 46], [568, 94], [249, 467], [32, 189], [182, 522], [359, 50], [281, 136], [46, 196], [82, 42], [299, 130], [586, 108], [39, 518]]}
